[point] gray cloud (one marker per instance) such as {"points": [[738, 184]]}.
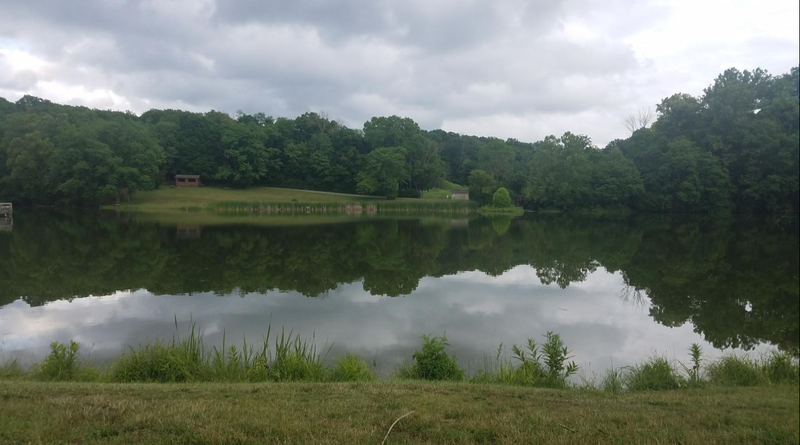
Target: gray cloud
{"points": [[510, 68], [443, 26], [21, 80]]}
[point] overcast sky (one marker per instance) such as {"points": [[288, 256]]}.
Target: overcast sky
{"points": [[505, 68]]}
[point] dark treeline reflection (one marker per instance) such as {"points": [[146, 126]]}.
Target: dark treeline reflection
{"points": [[735, 280]]}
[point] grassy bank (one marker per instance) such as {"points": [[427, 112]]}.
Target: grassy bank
{"points": [[362, 413]]}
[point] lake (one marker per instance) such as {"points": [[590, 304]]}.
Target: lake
{"points": [[617, 290]]}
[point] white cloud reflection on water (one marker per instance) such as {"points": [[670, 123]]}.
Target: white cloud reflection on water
{"points": [[477, 311]]}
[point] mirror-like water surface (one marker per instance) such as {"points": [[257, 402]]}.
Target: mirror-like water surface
{"points": [[618, 291]]}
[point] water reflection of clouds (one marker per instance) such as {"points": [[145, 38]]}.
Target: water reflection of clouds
{"points": [[477, 311], [518, 275]]}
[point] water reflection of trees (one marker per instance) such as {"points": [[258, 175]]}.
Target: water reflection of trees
{"points": [[735, 280]]}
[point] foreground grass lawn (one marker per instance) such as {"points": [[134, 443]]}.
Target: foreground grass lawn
{"points": [[35, 412]]}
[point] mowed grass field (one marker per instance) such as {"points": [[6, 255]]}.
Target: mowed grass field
{"points": [[168, 198], [442, 192], [362, 413], [173, 198]]}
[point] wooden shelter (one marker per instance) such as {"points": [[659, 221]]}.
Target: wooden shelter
{"points": [[460, 194], [187, 181]]}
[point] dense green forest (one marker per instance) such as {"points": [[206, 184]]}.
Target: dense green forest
{"points": [[734, 278], [735, 148]]}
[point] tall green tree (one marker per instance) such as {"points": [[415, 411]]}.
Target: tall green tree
{"points": [[496, 158], [392, 131], [383, 172], [481, 186], [560, 173], [425, 167], [246, 158], [30, 163], [615, 179]]}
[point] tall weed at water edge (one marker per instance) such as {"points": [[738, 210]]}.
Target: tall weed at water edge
{"points": [[295, 359], [782, 367], [245, 363], [502, 370], [735, 370], [613, 381], [10, 369], [695, 371], [62, 363], [654, 375], [352, 368], [185, 359], [545, 366], [556, 354], [182, 360]]}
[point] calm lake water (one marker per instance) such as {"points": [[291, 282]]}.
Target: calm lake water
{"points": [[618, 291]]}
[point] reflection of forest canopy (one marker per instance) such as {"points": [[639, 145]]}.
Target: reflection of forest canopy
{"points": [[735, 280]]}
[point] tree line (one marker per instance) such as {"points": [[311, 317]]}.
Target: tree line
{"points": [[734, 148]]}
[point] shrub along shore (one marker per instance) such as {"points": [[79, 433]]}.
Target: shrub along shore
{"points": [[180, 392]]}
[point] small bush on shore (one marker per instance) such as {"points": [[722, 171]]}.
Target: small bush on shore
{"points": [[433, 362], [501, 198]]}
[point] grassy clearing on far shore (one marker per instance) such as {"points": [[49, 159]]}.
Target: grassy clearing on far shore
{"points": [[441, 192], [173, 198], [204, 218], [170, 198], [362, 413]]}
